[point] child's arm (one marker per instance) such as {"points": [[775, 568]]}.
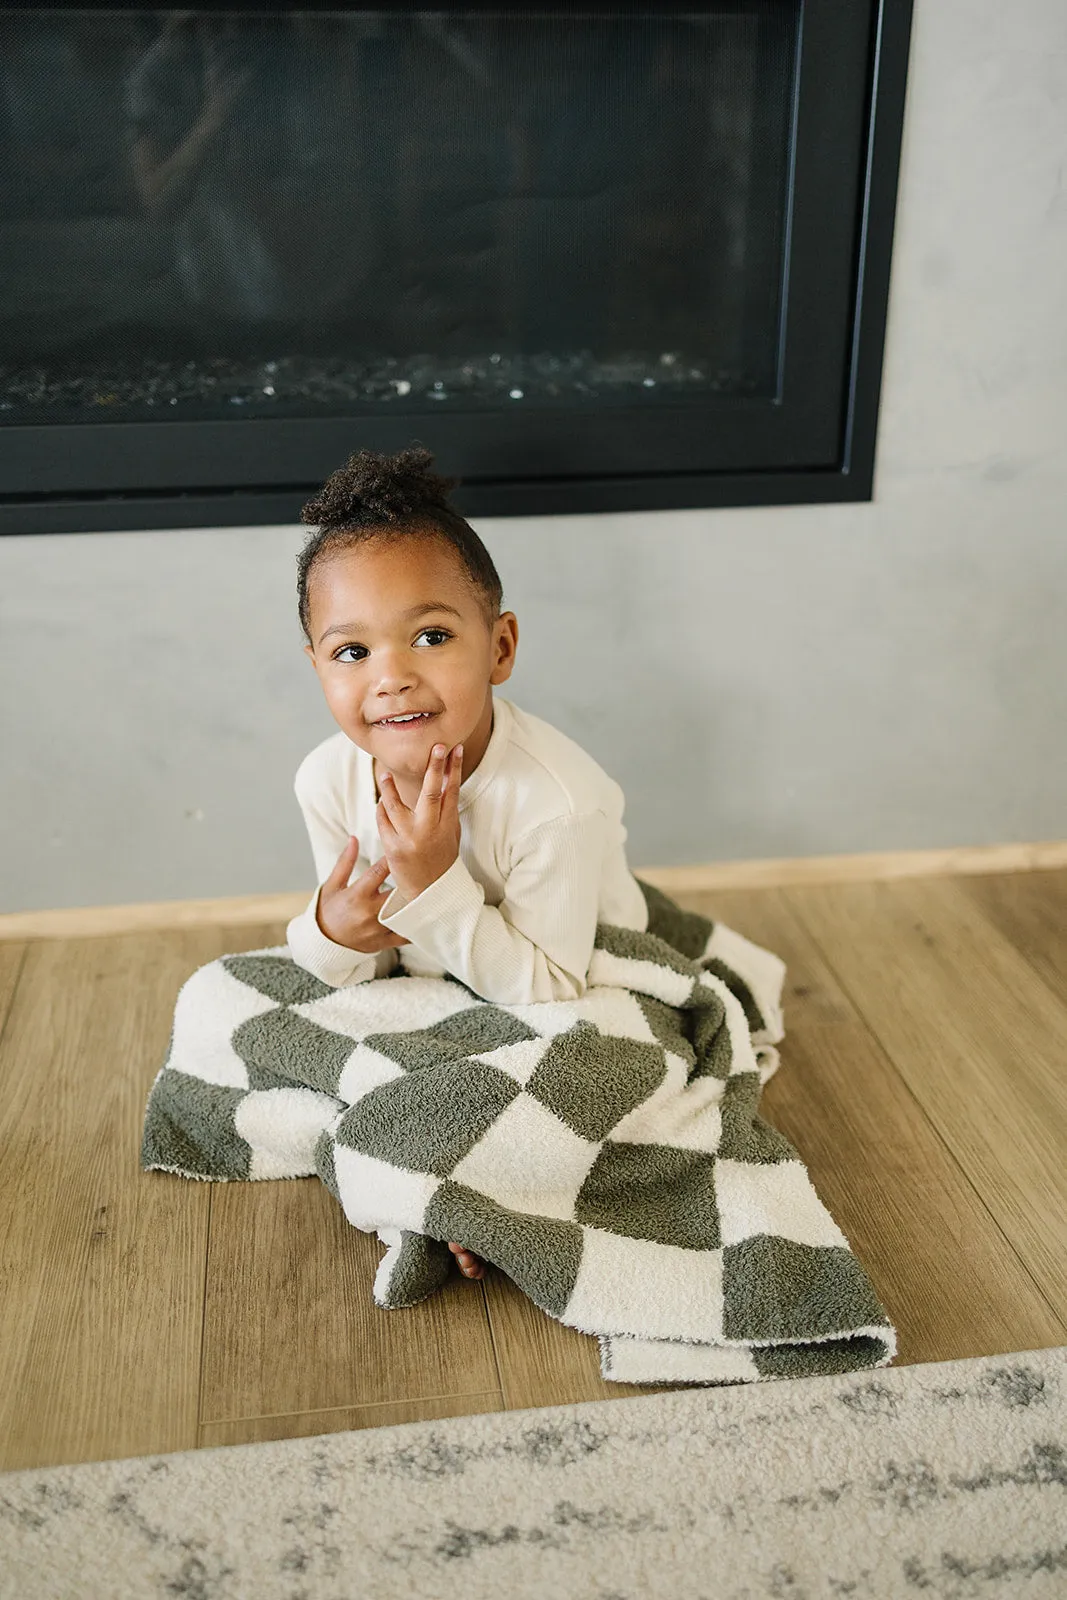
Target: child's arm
{"points": [[537, 944], [310, 947]]}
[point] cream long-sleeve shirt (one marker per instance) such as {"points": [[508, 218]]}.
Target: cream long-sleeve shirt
{"points": [[541, 861]]}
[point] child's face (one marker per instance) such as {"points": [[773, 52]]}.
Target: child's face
{"points": [[397, 627]]}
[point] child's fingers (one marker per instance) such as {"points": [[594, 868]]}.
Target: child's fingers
{"points": [[386, 826], [433, 783], [391, 803], [342, 870], [371, 880], [455, 778]]}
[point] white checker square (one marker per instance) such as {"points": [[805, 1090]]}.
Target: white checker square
{"points": [[547, 1017], [210, 1005], [375, 1194], [387, 1005], [677, 1112], [282, 1126], [646, 1290], [661, 1360], [364, 1070], [762, 971], [771, 1197], [616, 1014], [647, 977], [529, 1160], [520, 1061]]}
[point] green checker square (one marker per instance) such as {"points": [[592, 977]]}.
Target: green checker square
{"points": [[427, 1121], [686, 931], [745, 1134], [652, 1191], [590, 1080], [480, 1029], [474, 1031], [324, 1162], [189, 1128], [711, 1039], [738, 987], [420, 1267], [282, 1048], [774, 1288], [278, 977], [671, 1027], [541, 1254], [419, 1051], [633, 945], [819, 1360]]}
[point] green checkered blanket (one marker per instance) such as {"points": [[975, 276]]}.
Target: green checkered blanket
{"points": [[605, 1153]]}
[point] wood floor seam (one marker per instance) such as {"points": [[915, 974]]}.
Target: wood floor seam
{"points": [[357, 1405], [9, 1008], [999, 932], [203, 1313], [885, 1050], [496, 1352]]}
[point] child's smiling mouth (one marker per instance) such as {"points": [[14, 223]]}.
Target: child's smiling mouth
{"points": [[406, 719]]}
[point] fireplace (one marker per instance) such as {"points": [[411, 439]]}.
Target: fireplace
{"points": [[610, 257]]}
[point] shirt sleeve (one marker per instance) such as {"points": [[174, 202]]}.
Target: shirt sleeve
{"points": [[537, 944], [309, 947]]}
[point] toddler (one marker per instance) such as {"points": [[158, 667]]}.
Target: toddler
{"points": [[501, 839]]}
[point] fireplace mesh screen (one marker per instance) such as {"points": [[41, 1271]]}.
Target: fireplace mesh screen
{"points": [[216, 214]]}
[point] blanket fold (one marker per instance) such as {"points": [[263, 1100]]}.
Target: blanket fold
{"points": [[606, 1153]]}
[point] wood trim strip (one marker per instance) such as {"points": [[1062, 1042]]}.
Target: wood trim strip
{"points": [[82, 922], [775, 872], [779, 872]]}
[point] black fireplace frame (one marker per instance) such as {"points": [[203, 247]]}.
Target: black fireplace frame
{"points": [[181, 474]]}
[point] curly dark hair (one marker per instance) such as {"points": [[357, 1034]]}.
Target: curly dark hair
{"points": [[381, 496]]}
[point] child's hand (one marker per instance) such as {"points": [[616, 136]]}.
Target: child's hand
{"points": [[349, 916], [421, 845]]}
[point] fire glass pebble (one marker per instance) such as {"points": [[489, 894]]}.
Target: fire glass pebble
{"points": [[297, 384]]}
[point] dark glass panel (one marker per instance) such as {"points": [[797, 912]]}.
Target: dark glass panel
{"points": [[214, 215]]}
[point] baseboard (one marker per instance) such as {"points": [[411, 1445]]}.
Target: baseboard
{"points": [[86, 921], [774, 872]]}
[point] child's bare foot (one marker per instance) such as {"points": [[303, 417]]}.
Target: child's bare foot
{"points": [[470, 1265]]}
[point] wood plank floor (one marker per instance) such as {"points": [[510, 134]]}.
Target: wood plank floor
{"points": [[922, 1081]]}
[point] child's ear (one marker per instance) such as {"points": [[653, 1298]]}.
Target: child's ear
{"points": [[309, 652], [505, 644]]}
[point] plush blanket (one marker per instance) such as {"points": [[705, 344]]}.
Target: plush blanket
{"points": [[606, 1153]]}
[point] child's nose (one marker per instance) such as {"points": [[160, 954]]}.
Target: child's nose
{"points": [[395, 673]]}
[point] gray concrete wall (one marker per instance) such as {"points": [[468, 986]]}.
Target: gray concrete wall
{"points": [[794, 680]]}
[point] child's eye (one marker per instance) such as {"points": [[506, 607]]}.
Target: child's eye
{"points": [[436, 636]]}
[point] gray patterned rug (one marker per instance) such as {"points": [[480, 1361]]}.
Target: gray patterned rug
{"points": [[944, 1481]]}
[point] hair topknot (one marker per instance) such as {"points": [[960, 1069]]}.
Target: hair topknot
{"points": [[375, 494], [372, 489]]}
